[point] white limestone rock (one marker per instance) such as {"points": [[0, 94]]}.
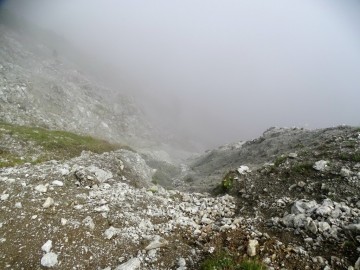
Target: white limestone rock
{"points": [[251, 248], [111, 232], [243, 169], [131, 264], [18, 205], [48, 202], [321, 165], [100, 174], [4, 197], [49, 260], [57, 183], [157, 243], [344, 172], [47, 246], [41, 188], [88, 222]]}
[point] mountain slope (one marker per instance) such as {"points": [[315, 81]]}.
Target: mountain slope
{"points": [[38, 87], [205, 171]]}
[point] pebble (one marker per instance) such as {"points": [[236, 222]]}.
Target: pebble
{"points": [[63, 221], [111, 232], [88, 222], [243, 169], [357, 264], [251, 248], [320, 165], [4, 197], [47, 246], [49, 260], [41, 188], [131, 264], [48, 202], [18, 205], [157, 243], [57, 183]]}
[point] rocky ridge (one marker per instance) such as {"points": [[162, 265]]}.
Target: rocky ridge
{"points": [[306, 194]]}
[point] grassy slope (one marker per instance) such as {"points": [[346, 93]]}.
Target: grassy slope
{"points": [[54, 144]]}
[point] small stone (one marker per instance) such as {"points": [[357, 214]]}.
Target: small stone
{"points": [[344, 172], [156, 243], [243, 169], [181, 262], [78, 207], [4, 197], [47, 246], [323, 211], [49, 259], [312, 227], [320, 165], [63, 221], [301, 184], [41, 188], [111, 232], [357, 264], [251, 248], [18, 205], [64, 171], [293, 155], [131, 264], [152, 253], [323, 226], [57, 183], [88, 222], [103, 208], [206, 220], [48, 202]]}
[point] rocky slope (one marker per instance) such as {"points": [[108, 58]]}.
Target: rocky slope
{"points": [[301, 186], [39, 87], [203, 172], [102, 211]]}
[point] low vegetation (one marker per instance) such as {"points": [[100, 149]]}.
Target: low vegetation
{"points": [[226, 261], [21, 144], [226, 184], [302, 168], [280, 160], [354, 157]]}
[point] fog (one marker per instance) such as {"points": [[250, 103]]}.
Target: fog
{"points": [[221, 71]]}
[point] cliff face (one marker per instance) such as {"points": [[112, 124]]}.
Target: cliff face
{"points": [[40, 88]]}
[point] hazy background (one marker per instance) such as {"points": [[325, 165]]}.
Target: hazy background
{"points": [[220, 71]]}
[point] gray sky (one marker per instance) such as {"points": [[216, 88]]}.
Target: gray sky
{"points": [[222, 71]]}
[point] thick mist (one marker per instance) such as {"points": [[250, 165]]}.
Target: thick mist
{"points": [[220, 71]]}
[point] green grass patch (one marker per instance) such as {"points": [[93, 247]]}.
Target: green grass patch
{"points": [[302, 168], [54, 144], [226, 184], [252, 265], [355, 157], [226, 261], [280, 160]]}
